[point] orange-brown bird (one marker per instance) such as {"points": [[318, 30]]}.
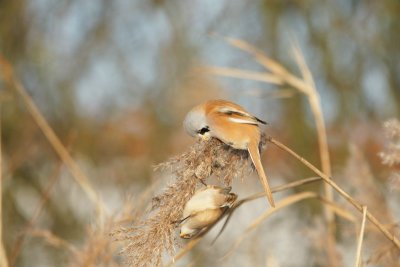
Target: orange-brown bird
{"points": [[204, 208], [234, 126]]}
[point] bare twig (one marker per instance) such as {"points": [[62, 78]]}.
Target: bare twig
{"points": [[196, 240], [280, 205], [340, 211], [39, 208], [243, 74], [3, 256], [360, 238], [315, 104], [76, 171], [53, 240], [345, 195], [280, 75]]}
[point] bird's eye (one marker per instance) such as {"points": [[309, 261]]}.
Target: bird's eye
{"points": [[203, 130]]}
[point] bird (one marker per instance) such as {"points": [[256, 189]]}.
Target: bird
{"points": [[234, 126], [205, 208]]}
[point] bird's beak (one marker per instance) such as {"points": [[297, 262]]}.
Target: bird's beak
{"points": [[184, 236], [204, 137]]}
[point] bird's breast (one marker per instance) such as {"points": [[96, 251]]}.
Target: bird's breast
{"points": [[204, 218]]}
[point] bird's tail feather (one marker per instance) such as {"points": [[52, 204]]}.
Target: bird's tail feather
{"points": [[255, 157]]}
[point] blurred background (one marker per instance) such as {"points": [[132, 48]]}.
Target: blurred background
{"points": [[114, 79]]}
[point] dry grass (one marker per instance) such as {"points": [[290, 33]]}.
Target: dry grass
{"points": [[391, 154], [288, 201], [295, 198], [390, 236], [358, 261], [97, 249], [3, 256], [153, 235], [77, 173], [192, 243], [37, 212], [9, 77], [279, 75]]}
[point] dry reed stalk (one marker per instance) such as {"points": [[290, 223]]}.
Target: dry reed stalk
{"points": [[315, 104], [341, 212], [54, 240], [280, 75], [152, 236], [38, 210], [131, 213], [314, 100], [280, 205], [289, 201], [98, 248], [358, 261], [345, 195], [3, 256], [76, 171], [243, 74]]}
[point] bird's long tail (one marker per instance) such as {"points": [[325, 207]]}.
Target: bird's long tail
{"points": [[255, 157]]}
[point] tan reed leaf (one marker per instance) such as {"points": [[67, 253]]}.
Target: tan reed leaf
{"points": [[358, 261]]}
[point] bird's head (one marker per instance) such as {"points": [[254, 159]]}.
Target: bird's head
{"points": [[195, 123]]}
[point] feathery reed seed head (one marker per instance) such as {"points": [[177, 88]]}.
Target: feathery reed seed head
{"points": [[155, 234], [391, 154]]}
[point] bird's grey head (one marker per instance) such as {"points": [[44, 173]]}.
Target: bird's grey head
{"points": [[195, 122]]}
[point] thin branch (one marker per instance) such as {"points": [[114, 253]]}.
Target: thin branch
{"points": [[54, 240], [307, 86], [258, 55], [243, 74], [76, 171], [315, 104], [340, 211], [360, 239], [38, 210], [280, 205], [345, 195], [3, 256], [280, 188]]}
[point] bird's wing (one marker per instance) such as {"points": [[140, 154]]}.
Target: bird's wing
{"points": [[182, 220], [238, 115]]}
